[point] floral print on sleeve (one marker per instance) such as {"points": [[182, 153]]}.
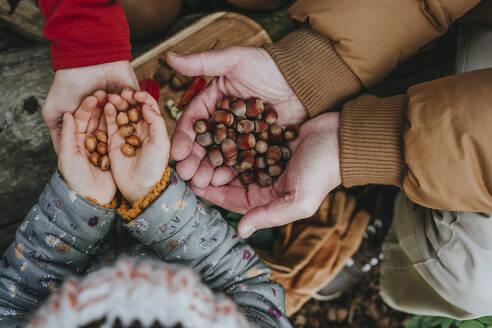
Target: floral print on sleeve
{"points": [[56, 240], [179, 228]]}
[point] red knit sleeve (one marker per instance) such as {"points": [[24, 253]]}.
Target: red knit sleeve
{"points": [[85, 32]]}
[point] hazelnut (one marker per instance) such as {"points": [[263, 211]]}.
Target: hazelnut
{"points": [[126, 130], [260, 162], [202, 126], [224, 117], [215, 156], [90, 143], [263, 135], [231, 133], [263, 178], [220, 133], [224, 103], [261, 146], [238, 107], [254, 107], [290, 133], [205, 139], [133, 115], [127, 150], [231, 161], [101, 136], [245, 126], [246, 159], [133, 141], [276, 135], [247, 177], [246, 141], [102, 148], [285, 153], [273, 155], [94, 158], [275, 169], [270, 116], [165, 74], [260, 126], [179, 81], [104, 163], [122, 119], [229, 148]]}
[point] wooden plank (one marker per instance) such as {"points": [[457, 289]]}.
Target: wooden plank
{"points": [[217, 31], [26, 19]]}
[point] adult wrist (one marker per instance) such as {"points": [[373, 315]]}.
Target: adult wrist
{"points": [[371, 140]]}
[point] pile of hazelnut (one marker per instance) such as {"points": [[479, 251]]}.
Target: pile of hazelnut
{"points": [[241, 134], [97, 144], [166, 75], [126, 121]]}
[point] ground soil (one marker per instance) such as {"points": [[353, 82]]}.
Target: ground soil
{"points": [[361, 307]]}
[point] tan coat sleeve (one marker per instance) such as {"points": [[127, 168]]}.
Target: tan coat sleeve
{"points": [[435, 142], [372, 37]]}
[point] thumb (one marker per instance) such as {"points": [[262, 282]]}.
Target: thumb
{"points": [[68, 138], [110, 115], [157, 126], [280, 211], [211, 63]]}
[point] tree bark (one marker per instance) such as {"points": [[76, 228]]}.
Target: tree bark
{"points": [[28, 158]]}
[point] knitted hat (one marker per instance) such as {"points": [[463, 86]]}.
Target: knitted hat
{"points": [[138, 290]]}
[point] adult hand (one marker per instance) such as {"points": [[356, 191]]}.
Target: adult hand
{"points": [[311, 173], [72, 85], [243, 72], [84, 178]]}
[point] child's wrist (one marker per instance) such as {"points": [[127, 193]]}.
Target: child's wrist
{"points": [[137, 194], [141, 188], [99, 198], [112, 204], [129, 210]]}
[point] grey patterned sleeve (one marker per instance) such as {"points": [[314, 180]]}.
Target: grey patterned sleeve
{"points": [[179, 228], [56, 240]]}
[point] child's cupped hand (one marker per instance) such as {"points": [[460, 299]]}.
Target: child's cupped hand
{"points": [[82, 176], [136, 175]]}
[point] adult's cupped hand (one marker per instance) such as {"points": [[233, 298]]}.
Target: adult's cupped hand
{"points": [[72, 85], [312, 171]]}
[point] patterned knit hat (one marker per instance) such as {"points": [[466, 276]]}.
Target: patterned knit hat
{"points": [[138, 290]]}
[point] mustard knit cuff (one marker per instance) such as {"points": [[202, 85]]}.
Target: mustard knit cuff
{"points": [[129, 213], [314, 70], [371, 140], [112, 205]]}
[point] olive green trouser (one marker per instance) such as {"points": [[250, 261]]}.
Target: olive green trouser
{"points": [[438, 262]]}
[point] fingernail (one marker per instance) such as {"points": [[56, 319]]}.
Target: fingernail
{"points": [[172, 53], [247, 231]]}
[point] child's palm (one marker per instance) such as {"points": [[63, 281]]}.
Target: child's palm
{"points": [[79, 173], [136, 175]]}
